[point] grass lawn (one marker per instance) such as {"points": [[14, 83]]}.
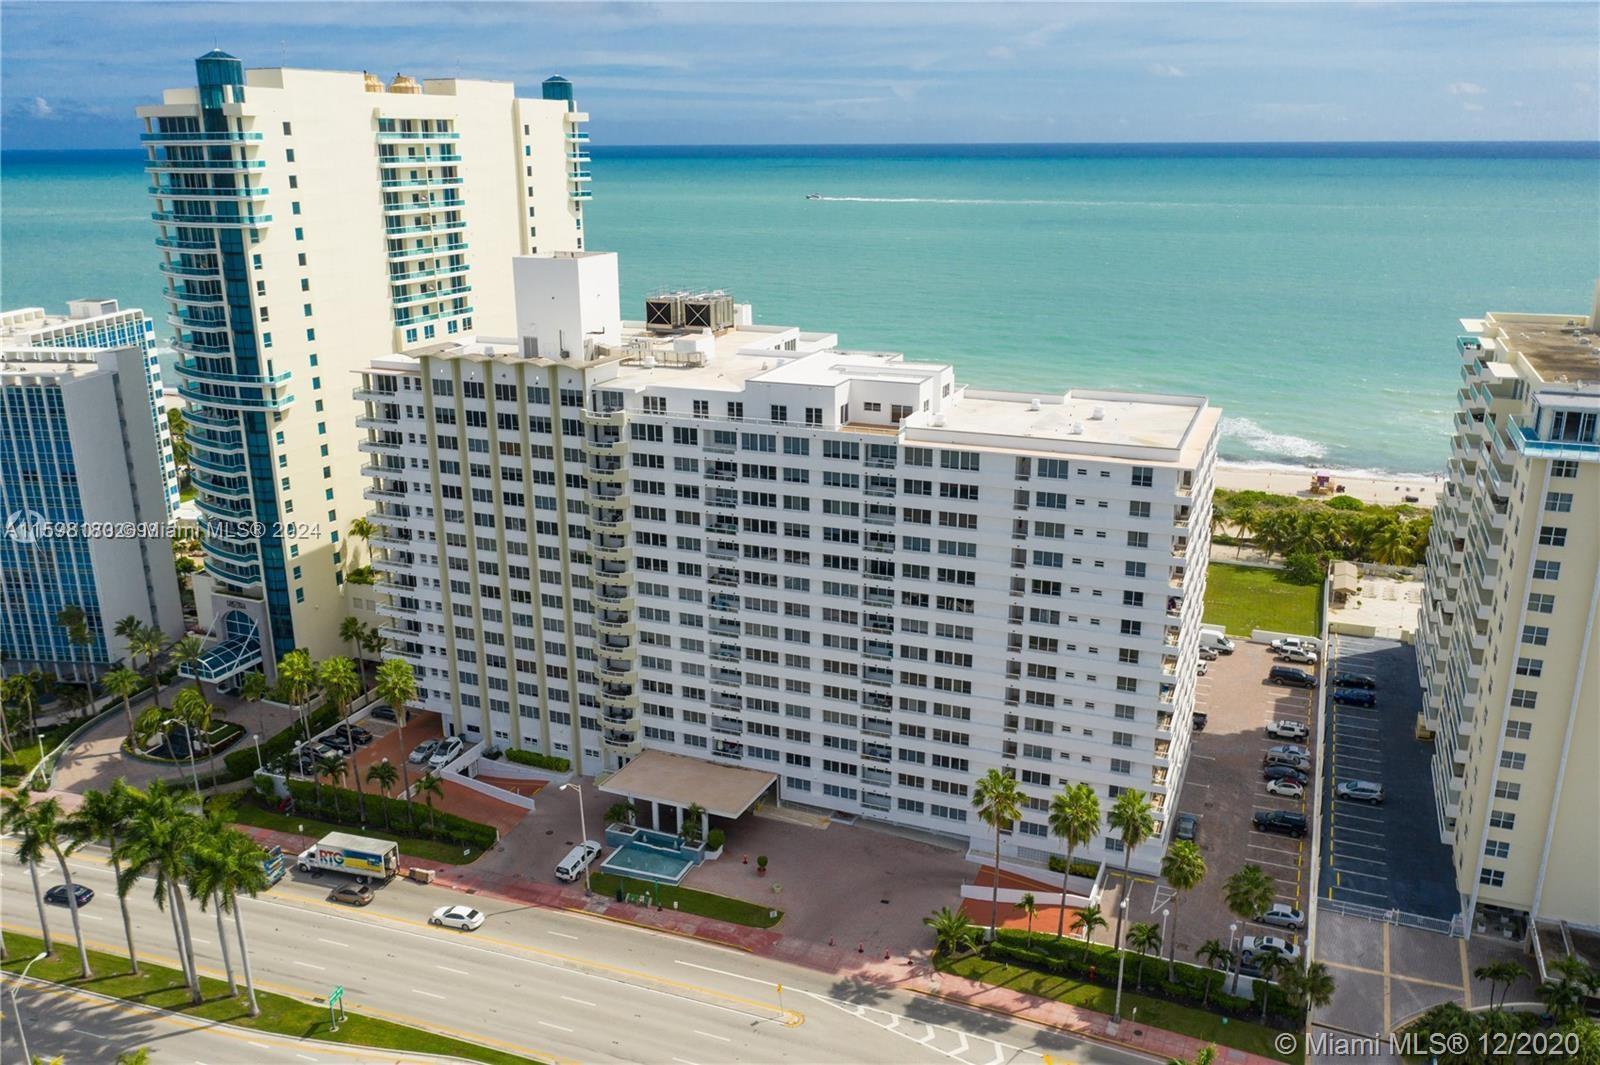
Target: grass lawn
{"points": [[27, 754], [247, 811], [1211, 1027], [703, 903], [1242, 598], [280, 1014]]}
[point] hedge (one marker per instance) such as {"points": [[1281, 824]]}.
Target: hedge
{"points": [[448, 826], [554, 763], [1087, 870], [242, 763], [1070, 957]]}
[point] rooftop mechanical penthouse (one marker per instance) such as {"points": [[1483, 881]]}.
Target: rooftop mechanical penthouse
{"points": [[745, 543]]}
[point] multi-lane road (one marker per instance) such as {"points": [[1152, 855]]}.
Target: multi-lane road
{"points": [[553, 985]]}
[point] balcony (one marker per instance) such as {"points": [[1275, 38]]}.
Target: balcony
{"points": [[261, 403], [419, 206], [427, 251], [407, 299], [174, 165], [203, 137], [398, 136], [580, 194], [440, 226], [1528, 442], [212, 221], [184, 192], [435, 316], [179, 270], [190, 371], [435, 181], [187, 245]]}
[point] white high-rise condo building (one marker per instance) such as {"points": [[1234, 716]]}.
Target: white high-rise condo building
{"points": [[304, 219], [86, 479], [743, 543], [1509, 646]]}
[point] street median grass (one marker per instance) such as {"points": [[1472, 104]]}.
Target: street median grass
{"points": [[163, 988], [1242, 598], [700, 903], [1158, 1013]]}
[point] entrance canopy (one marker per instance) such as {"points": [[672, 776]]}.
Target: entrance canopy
{"points": [[239, 650], [677, 780]]}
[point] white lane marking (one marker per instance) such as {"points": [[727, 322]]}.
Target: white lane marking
{"points": [[304, 1057], [308, 965], [94, 1035], [203, 942], [724, 972], [711, 1035], [685, 1061], [263, 1046], [332, 942], [563, 935], [576, 1001], [557, 1027], [458, 972], [90, 916], [430, 994]]}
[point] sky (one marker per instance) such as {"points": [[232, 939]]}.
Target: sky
{"points": [[800, 73]]}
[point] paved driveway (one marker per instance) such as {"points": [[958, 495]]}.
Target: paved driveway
{"points": [[1389, 856]]}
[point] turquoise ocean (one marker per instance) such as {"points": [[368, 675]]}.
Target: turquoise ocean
{"points": [[1312, 291]]}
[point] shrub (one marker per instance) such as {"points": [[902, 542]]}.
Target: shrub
{"points": [[1344, 503], [716, 839], [554, 763], [1303, 567], [447, 826], [242, 763], [1080, 867]]}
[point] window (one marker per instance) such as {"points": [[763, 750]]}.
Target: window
{"points": [[1502, 819], [1507, 790], [1564, 468], [1558, 502], [1519, 730], [1539, 603], [1143, 476], [1513, 760], [1537, 635], [1523, 698], [1496, 848], [1492, 877], [1547, 571], [1552, 536]]}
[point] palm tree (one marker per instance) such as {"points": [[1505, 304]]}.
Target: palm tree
{"points": [[1028, 906], [360, 529], [76, 623], [297, 674], [1310, 986], [331, 766], [1074, 819], [1130, 815], [430, 788], [1089, 920], [147, 641], [123, 682], [1206, 1055], [1216, 956], [160, 834], [237, 860], [14, 818], [195, 714], [340, 684], [1391, 542], [689, 825], [188, 652], [1183, 868], [43, 826], [1564, 996], [1269, 963], [1495, 974], [352, 632], [1248, 893], [383, 775], [253, 686], [103, 818], [1144, 937], [397, 686], [998, 801], [24, 691], [953, 930], [206, 873]]}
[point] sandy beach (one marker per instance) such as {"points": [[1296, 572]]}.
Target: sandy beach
{"points": [[1288, 480]]}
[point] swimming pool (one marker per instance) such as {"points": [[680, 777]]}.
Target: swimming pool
{"points": [[648, 855]]}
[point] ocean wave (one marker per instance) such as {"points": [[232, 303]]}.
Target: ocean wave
{"points": [[1257, 438], [1305, 468]]}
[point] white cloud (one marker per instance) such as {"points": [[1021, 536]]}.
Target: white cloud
{"points": [[38, 107], [1465, 88], [1002, 53], [1167, 70]]}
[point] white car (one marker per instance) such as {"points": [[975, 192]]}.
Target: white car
{"points": [[1286, 949], [1301, 655], [463, 917], [1283, 915], [1202, 670], [1359, 791], [1294, 750], [422, 752], [1288, 730], [1289, 789], [447, 750], [1294, 643]]}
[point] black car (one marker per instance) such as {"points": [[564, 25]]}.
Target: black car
{"points": [[57, 896], [1354, 680], [383, 713], [1355, 697], [1186, 827], [1200, 718], [1294, 678], [338, 743], [1283, 772], [1280, 821], [355, 734]]}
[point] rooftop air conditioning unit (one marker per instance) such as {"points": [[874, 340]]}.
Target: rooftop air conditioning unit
{"points": [[1034, 404], [708, 310], [664, 312], [1098, 414]]}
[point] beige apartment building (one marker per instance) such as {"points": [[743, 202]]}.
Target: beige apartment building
{"points": [[305, 219], [1508, 648]]}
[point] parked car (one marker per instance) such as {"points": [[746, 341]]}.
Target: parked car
{"points": [[1291, 677], [1285, 948], [1200, 670], [338, 743], [447, 750], [384, 712], [1283, 772], [1289, 789], [1217, 642], [1359, 791], [1200, 718], [355, 734], [1187, 826], [1354, 680], [463, 917], [1290, 748], [1288, 730], [57, 896], [1280, 821], [1208, 654], [577, 860], [1355, 697], [1283, 915], [422, 752], [1294, 643], [352, 895], [1298, 654], [1293, 761]]}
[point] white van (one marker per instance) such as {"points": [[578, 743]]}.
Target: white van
{"points": [[577, 860], [1216, 641]]}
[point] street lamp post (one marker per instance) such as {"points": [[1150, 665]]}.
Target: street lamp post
{"points": [[583, 829], [1233, 930], [188, 737], [1122, 961], [257, 738], [1164, 912], [16, 1010]]}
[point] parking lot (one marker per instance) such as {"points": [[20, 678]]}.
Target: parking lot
{"points": [[1388, 856], [1224, 789]]}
